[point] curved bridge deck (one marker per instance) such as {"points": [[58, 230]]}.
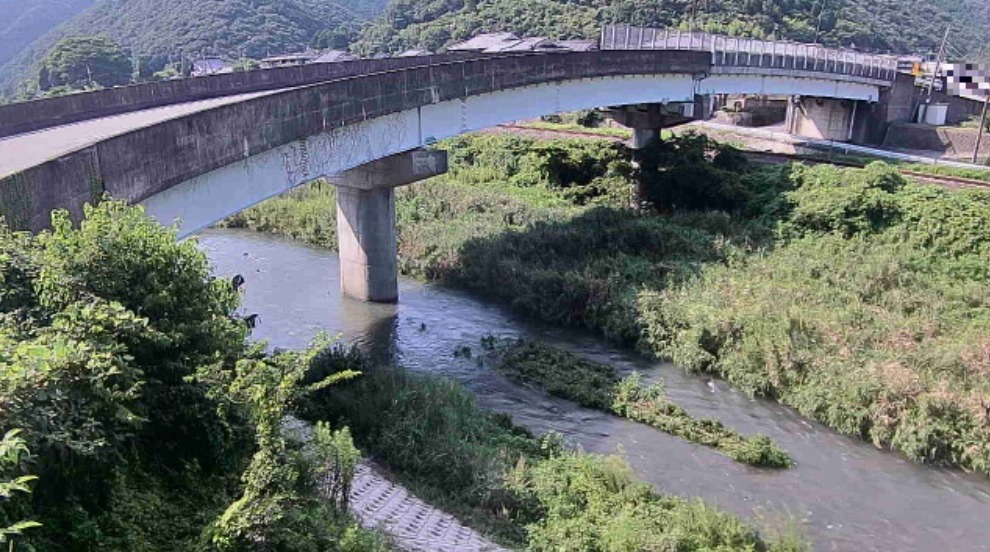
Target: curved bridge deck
{"points": [[203, 148]]}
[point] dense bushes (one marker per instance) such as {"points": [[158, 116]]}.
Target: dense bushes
{"points": [[137, 395], [691, 172], [584, 171]]}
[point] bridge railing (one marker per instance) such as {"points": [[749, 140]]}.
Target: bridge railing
{"points": [[748, 52]]}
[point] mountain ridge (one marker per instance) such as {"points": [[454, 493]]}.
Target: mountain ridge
{"points": [[156, 32]]}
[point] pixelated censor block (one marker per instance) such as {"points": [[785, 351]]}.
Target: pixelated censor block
{"points": [[971, 79]]}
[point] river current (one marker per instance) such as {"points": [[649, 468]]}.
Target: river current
{"points": [[848, 495]]}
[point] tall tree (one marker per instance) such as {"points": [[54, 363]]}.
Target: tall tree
{"points": [[84, 61]]}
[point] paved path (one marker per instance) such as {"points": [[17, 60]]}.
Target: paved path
{"points": [[415, 525]]}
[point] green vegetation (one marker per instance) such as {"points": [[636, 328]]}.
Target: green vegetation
{"points": [[162, 33], [529, 492], [898, 26], [605, 132], [142, 404], [869, 315], [596, 385], [84, 62], [852, 294], [13, 452]]}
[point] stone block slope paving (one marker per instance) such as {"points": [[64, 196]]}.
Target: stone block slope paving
{"points": [[414, 525]]}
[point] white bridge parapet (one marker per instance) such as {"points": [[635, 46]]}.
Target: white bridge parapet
{"points": [[749, 52]]}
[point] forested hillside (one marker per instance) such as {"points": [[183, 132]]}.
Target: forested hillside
{"points": [[898, 26], [157, 31], [22, 22]]}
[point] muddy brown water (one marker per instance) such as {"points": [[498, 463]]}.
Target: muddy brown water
{"points": [[847, 495]]}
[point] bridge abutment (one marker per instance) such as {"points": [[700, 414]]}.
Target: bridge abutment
{"points": [[366, 234], [825, 118]]}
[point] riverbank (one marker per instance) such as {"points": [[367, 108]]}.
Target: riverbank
{"points": [[879, 332], [528, 492]]}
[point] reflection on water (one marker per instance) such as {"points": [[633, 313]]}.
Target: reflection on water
{"points": [[853, 496]]}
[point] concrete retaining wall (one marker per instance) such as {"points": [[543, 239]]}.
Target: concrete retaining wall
{"points": [[951, 141]]}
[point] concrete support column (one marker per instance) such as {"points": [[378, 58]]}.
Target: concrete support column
{"points": [[643, 136], [366, 236], [367, 244]]}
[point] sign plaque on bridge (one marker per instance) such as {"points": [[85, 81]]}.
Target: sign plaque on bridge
{"points": [[971, 79], [425, 162]]}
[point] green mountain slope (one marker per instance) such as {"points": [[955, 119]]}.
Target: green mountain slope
{"points": [[21, 22], [898, 26], [157, 31]]}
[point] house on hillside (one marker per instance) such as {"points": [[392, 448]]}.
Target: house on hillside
{"points": [[334, 56], [208, 66], [289, 60], [486, 43], [495, 43], [307, 57]]}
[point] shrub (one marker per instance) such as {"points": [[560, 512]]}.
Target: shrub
{"points": [[588, 502]]}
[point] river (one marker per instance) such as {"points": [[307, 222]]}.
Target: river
{"points": [[848, 495]]}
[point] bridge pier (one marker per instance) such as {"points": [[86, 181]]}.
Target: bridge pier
{"points": [[366, 234], [646, 122]]}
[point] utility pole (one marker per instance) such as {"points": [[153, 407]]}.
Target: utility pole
{"points": [[938, 66], [983, 126], [818, 28]]}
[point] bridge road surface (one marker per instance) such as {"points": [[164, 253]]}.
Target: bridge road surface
{"points": [[23, 151]]}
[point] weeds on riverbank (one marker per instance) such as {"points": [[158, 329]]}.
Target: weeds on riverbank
{"points": [[563, 374], [872, 317], [529, 492]]}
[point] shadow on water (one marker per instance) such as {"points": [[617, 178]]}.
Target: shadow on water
{"points": [[852, 496]]}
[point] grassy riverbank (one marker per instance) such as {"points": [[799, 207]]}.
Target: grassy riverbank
{"points": [[530, 493], [598, 386], [855, 296]]}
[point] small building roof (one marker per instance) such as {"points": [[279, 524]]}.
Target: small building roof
{"points": [[296, 57], [334, 56], [489, 42], [524, 45], [492, 43], [578, 45], [414, 53], [207, 66]]}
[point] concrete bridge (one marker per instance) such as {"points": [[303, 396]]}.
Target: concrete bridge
{"points": [[198, 150]]}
